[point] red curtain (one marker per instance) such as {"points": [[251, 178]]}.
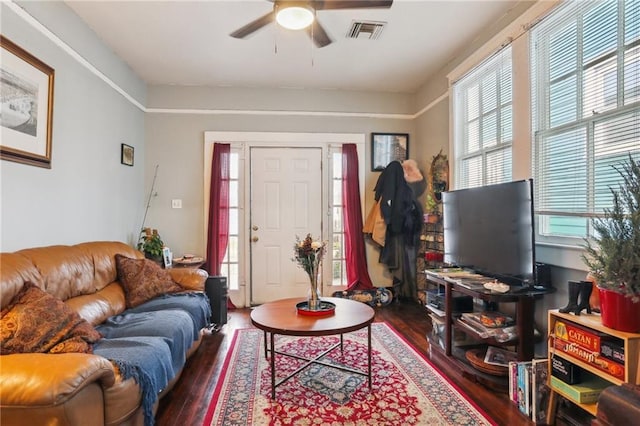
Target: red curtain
{"points": [[218, 224], [354, 250]]}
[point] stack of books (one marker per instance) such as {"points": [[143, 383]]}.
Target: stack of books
{"points": [[528, 388]]}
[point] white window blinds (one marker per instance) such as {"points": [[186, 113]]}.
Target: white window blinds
{"points": [[586, 117], [483, 123]]}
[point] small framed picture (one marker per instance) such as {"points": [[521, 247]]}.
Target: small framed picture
{"points": [[388, 147], [126, 154], [167, 257]]}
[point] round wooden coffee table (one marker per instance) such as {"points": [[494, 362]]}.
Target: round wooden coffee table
{"points": [[281, 317]]}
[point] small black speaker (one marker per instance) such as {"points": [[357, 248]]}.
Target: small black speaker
{"points": [[216, 290], [543, 275]]}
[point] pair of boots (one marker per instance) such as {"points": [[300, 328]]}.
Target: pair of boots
{"points": [[579, 293]]}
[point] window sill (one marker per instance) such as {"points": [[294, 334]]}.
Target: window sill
{"points": [[563, 256]]}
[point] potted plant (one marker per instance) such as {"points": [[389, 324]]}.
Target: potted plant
{"points": [[613, 254], [432, 209], [151, 244]]}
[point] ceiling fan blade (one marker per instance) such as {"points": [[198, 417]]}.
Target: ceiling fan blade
{"points": [[253, 25], [318, 34], [351, 4]]}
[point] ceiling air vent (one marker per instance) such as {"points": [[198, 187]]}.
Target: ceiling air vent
{"points": [[366, 29]]}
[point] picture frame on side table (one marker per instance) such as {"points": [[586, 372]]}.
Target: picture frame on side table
{"points": [[126, 154], [26, 96], [388, 147], [167, 257]]}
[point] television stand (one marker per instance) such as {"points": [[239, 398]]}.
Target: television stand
{"points": [[522, 342], [525, 289]]}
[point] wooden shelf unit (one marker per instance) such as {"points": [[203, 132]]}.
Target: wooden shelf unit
{"points": [[431, 241], [524, 316], [593, 322]]}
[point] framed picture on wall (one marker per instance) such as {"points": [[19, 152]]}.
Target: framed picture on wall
{"points": [[26, 96], [126, 154], [388, 147]]}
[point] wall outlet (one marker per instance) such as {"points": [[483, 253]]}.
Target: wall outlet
{"points": [[176, 204]]}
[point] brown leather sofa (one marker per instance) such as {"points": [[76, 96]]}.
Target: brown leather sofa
{"points": [[73, 388], [618, 405]]}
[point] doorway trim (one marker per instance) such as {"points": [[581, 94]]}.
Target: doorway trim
{"points": [[243, 141]]}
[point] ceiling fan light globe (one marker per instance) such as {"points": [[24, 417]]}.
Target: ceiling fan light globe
{"points": [[295, 17]]}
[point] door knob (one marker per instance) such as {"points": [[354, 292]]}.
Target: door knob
{"points": [[255, 227], [254, 239]]}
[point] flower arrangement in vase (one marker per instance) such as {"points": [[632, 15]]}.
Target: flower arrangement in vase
{"points": [[308, 253]]}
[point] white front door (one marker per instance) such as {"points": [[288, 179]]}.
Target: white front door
{"points": [[285, 202]]}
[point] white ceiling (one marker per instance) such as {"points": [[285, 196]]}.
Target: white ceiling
{"points": [[188, 43]]}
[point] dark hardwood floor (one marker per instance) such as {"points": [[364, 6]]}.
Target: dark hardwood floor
{"points": [[186, 404]]}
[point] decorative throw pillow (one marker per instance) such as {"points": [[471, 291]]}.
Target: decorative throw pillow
{"points": [[143, 279], [35, 321]]}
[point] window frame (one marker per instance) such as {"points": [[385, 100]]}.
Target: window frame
{"points": [[493, 66], [335, 177], [233, 281], [542, 128]]}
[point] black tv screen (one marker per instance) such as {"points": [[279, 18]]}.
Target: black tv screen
{"points": [[489, 230]]}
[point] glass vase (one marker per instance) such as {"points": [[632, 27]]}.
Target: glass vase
{"points": [[313, 297]]}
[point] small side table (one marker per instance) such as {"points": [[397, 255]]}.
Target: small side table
{"points": [[194, 263]]}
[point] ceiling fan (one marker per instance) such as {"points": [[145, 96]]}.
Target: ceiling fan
{"points": [[303, 14]]}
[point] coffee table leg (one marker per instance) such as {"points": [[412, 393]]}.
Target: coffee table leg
{"points": [[265, 344], [273, 369], [341, 344], [369, 354]]}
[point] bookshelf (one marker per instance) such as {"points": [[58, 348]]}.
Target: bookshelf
{"points": [[625, 371]]}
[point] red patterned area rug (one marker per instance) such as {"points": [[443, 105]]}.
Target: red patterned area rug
{"points": [[406, 388]]}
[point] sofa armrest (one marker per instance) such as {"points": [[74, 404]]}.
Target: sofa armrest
{"points": [[619, 405], [189, 278], [49, 379]]}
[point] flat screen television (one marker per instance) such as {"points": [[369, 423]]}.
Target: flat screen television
{"points": [[489, 230]]}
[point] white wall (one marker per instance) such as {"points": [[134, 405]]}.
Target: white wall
{"points": [[175, 142], [87, 194]]}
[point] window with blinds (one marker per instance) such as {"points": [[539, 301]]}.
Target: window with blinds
{"points": [[483, 123], [585, 60]]}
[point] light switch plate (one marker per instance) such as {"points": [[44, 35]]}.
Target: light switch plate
{"points": [[176, 204]]}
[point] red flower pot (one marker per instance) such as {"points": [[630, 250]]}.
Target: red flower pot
{"points": [[619, 312]]}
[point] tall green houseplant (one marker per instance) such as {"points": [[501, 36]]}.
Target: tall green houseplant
{"points": [[613, 255]]}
